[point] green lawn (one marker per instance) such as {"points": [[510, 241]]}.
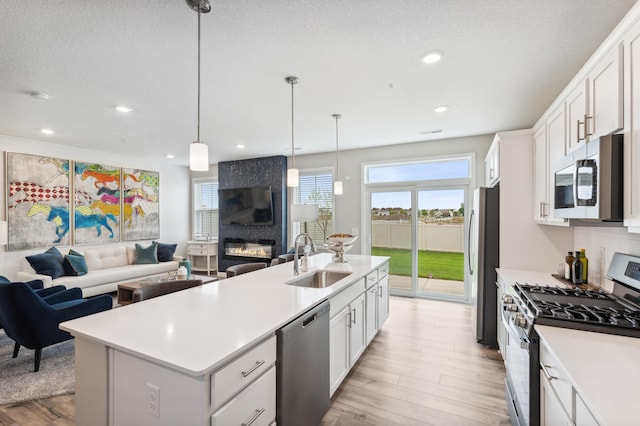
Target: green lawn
{"points": [[442, 265]]}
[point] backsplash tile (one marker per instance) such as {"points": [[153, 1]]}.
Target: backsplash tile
{"points": [[600, 244]]}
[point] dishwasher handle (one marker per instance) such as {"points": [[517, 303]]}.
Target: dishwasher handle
{"points": [[309, 320]]}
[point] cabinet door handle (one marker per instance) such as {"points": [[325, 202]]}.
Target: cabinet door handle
{"points": [[578, 138], [586, 127], [257, 365], [254, 418], [546, 373], [353, 317], [490, 172]]}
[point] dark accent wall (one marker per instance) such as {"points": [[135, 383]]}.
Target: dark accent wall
{"points": [[267, 171]]}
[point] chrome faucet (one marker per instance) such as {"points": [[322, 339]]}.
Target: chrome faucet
{"points": [[307, 250]]}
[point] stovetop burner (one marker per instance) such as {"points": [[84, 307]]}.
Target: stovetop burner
{"points": [[577, 308]]}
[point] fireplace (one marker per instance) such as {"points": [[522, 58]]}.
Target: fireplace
{"points": [[239, 248]]}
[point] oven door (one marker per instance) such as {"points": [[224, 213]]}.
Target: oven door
{"points": [[522, 379]]}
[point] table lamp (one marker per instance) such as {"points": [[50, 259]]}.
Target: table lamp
{"points": [[304, 213]]}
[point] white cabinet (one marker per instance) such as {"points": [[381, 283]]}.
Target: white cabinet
{"points": [[357, 329], [347, 340], [595, 106], [203, 256], [256, 405], [502, 332], [632, 130], [339, 348], [548, 147], [552, 412], [606, 94], [383, 300], [577, 115], [560, 402], [371, 319], [492, 164], [356, 315], [540, 198]]}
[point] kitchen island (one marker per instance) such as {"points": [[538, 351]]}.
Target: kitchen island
{"points": [[170, 360]]}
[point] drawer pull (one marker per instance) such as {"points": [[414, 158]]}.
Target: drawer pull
{"points": [[546, 373], [254, 418], [252, 369]]}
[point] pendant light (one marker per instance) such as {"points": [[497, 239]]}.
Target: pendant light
{"points": [[292, 173], [337, 184], [199, 151]]}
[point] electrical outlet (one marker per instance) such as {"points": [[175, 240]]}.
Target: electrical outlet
{"points": [[153, 400]]}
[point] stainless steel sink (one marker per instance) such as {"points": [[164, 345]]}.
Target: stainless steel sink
{"points": [[318, 279]]}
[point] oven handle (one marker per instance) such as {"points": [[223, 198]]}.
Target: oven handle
{"points": [[511, 329]]}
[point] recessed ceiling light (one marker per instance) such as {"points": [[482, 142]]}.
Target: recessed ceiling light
{"points": [[47, 131], [39, 96], [430, 132], [123, 108], [171, 156], [441, 108], [432, 56], [240, 146]]}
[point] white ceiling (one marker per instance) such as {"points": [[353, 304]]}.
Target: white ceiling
{"points": [[505, 62]]}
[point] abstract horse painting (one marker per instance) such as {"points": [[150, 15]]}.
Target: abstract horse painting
{"points": [[59, 216], [141, 191]]}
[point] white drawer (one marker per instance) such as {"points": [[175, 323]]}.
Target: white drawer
{"points": [[557, 377], [383, 271], [342, 299], [197, 252], [256, 405], [372, 278], [227, 381]]}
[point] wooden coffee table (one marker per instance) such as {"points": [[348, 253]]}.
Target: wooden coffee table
{"points": [[126, 289]]}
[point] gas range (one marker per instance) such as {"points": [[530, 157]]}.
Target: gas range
{"points": [[578, 307]]}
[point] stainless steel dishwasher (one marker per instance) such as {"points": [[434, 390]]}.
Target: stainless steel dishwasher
{"points": [[302, 371]]}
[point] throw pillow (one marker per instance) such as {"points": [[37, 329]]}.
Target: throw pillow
{"points": [[166, 251], [146, 254], [48, 263], [4, 280], [75, 265]]}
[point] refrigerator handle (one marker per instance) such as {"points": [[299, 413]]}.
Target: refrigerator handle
{"points": [[473, 212]]}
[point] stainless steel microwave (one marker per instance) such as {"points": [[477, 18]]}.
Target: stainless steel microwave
{"points": [[588, 181]]}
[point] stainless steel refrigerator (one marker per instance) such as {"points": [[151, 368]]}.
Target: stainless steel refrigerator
{"points": [[484, 258]]}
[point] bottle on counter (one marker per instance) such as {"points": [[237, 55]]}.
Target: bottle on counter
{"points": [[585, 266], [568, 266], [577, 269]]}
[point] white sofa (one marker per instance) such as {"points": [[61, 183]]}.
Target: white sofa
{"points": [[107, 266]]}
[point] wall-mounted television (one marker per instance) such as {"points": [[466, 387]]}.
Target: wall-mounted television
{"points": [[246, 206]]}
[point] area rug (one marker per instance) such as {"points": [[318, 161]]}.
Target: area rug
{"points": [[19, 383]]}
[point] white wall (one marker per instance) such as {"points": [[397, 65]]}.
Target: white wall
{"points": [[175, 189], [348, 205], [600, 244]]}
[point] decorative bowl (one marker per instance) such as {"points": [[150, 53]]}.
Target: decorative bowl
{"points": [[339, 244]]}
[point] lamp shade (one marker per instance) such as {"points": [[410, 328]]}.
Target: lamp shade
{"points": [[304, 212], [199, 157], [4, 233], [292, 178]]}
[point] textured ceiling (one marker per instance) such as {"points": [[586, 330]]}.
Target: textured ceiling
{"points": [[505, 62]]}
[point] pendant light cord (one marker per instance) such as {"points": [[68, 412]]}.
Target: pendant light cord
{"points": [[198, 135], [337, 116], [292, 138]]}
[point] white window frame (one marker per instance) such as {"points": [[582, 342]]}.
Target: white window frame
{"points": [[195, 183], [296, 227]]}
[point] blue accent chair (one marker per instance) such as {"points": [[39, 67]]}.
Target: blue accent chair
{"points": [[33, 321], [37, 285]]}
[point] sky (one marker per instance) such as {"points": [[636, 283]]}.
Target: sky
{"points": [[432, 170]]}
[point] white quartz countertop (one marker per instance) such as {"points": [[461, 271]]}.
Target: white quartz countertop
{"points": [[512, 276], [199, 329], [604, 369]]}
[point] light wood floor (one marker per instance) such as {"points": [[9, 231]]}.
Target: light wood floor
{"points": [[423, 368]]}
